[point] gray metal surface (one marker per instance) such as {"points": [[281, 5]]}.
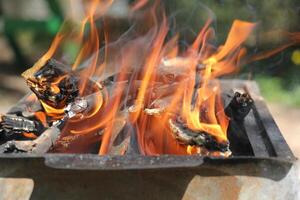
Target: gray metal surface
{"points": [[263, 134], [87, 176]]}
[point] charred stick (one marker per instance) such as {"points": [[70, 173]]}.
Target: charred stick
{"points": [[47, 139], [125, 142], [239, 107], [12, 126], [39, 146], [237, 110], [18, 124], [119, 140], [187, 136]]}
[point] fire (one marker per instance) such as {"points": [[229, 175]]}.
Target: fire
{"points": [[41, 62], [206, 95], [201, 107], [157, 86]]}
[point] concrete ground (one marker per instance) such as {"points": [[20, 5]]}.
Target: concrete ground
{"points": [[288, 120]]}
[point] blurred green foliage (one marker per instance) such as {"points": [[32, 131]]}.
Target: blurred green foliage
{"points": [[271, 14], [273, 90], [277, 76]]}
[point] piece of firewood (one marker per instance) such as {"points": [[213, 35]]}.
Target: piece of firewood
{"points": [[240, 106], [47, 139], [38, 146], [186, 136]]}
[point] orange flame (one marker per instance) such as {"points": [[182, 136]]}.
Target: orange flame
{"points": [[41, 62], [206, 94], [158, 79], [138, 4], [206, 97]]}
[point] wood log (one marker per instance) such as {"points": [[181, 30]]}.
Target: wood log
{"points": [[187, 136], [38, 146], [237, 110]]}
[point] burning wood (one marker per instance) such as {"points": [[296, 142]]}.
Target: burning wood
{"points": [[39, 146], [57, 91], [142, 94], [47, 138], [205, 143], [63, 103], [53, 84], [12, 125]]}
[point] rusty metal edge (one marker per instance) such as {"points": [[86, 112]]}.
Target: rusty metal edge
{"points": [[95, 162], [93, 165]]}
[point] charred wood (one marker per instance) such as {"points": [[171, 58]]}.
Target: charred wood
{"points": [[238, 108], [38, 146], [126, 142], [12, 126], [119, 139], [48, 138], [41, 82], [186, 136]]}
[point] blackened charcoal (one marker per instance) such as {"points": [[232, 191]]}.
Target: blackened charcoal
{"points": [[239, 107], [40, 145], [57, 95], [17, 123], [12, 124], [51, 70], [109, 80], [212, 145], [187, 136]]}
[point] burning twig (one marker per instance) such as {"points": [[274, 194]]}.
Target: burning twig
{"points": [[12, 125], [200, 139], [54, 87], [39, 146], [145, 72], [47, 139]]}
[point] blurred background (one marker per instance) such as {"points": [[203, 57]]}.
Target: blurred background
{"points": [[28, 27]]}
